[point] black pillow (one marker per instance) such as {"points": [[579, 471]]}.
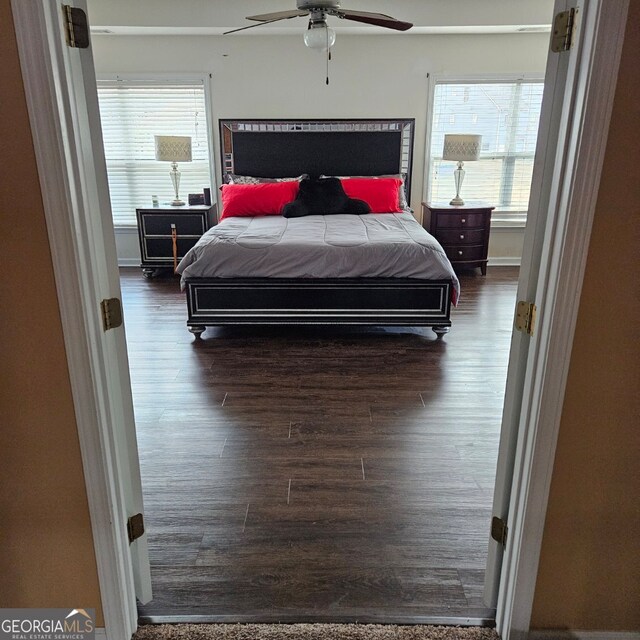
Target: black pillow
{"points": [[323, 196]]}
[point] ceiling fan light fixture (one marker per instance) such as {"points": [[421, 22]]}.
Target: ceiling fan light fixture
{"points": [[319, 36]]}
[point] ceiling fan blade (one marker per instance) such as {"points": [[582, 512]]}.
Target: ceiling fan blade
{"points": [[278, 15], [378, 19], [252, 26]]}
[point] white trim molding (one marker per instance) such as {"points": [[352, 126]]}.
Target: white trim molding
{"points": [[50, 96], [586, 117], [504, 261], [563, 634], [499, 221]]}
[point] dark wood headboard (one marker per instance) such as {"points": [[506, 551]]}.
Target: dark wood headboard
{"points": [[279, 148]]}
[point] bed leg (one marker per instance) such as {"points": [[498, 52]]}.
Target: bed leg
{"points": [[441, 331], [197, 330]]}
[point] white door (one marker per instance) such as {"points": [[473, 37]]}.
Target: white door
{"points": [[97, 231], [61, 95], [560, 77]]}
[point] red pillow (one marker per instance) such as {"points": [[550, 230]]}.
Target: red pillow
{"points": [[381, 194], [257, 199]]}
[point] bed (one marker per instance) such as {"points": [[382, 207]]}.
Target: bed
{"points": [[369, 269]]}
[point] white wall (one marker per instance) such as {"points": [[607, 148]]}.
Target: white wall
{"points": [[144, 16], [370, 77]]}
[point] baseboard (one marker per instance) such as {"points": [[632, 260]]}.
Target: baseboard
{"points": [[561, 634], [101, 633], [505, 262], [128, 262]]}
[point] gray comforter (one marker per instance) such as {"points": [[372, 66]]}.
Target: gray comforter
{"points": [[336, 246]]}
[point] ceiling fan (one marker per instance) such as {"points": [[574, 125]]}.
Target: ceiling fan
{"points": [[319, 35]]}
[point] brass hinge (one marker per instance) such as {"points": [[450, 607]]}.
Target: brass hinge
{"points": [[76, 27], [563, 31], [526, 317], [499, 530], [111, 313], [135, 527]]}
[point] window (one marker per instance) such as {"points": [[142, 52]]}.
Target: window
{"points": [[506, 114], [132, 113]]}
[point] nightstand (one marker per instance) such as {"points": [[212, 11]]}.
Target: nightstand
{"points": [[462, 231], [156, 227]]}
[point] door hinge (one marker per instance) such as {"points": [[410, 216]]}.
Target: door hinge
{"points": [[135, 527], [111, 313], [499, 530], [563, 31], [526, 317], [76, 27]]}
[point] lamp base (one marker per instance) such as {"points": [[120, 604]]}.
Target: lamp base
{"points": [[175, 178], [458, 176]]}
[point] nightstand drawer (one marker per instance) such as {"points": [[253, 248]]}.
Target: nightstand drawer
{"points": [[464, 252], [155, 224], [461, 236], [162, 248], [460, 220]]}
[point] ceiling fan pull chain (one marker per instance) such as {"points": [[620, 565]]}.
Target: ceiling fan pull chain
{"points": [[328, 57]]}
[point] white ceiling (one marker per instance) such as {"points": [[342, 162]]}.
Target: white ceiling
{"points": [[213, 17]]}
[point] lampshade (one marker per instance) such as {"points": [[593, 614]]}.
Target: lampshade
{"points": [[319, 36], [173, 148], [461, 147]]}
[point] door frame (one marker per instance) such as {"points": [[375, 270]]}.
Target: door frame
{"points": [[558, 88], [84, 262], [557, 284], [48, 94]]}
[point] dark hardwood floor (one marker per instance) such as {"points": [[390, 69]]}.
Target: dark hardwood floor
{"points": [[318, 473]]}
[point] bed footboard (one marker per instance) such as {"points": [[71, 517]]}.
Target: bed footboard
{"points": [[225, 301]]}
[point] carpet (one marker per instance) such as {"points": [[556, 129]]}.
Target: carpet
{"points": [[310, 632]]}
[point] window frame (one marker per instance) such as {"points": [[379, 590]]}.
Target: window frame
{"points": [[499, 219], [207, 82]]}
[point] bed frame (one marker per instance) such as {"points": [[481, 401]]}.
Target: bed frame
{"points": [[276, 148]]}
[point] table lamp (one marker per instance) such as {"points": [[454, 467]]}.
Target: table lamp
{"points": [[461, 148], [174, 149]]}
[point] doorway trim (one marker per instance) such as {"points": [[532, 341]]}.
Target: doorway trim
{"points": [[48, 90], [559, 285], [560, 280]]}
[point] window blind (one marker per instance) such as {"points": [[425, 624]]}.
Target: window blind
{"points": [[506, 114], [132, 113]]}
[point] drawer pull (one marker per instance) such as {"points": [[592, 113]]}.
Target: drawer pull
{"points": [[463, 220], [459, 253], [462, 236]]}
